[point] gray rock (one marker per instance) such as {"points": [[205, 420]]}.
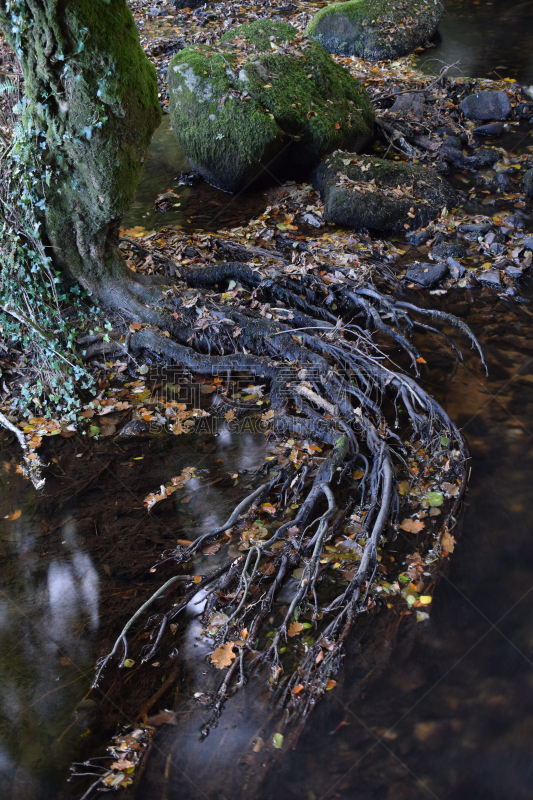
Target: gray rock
{"points": [[410, 103], [528, 182], [456, 157], [449, 249], [486, 105], [218, 114], [426, 275], [475, 228], [502, 183], [490, 277], [492, 129], [370, 192], [513, 272], [456, 270], [375, 29], [419, 237], [527, 241], [487, 156]]}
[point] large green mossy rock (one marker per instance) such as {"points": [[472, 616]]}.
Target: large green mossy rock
{"points": [[263, 97], [376, 29], [380, 195]]}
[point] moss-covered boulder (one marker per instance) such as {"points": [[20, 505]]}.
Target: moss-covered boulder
{"points": [[263, 97], [376, 29], [368, 192]]}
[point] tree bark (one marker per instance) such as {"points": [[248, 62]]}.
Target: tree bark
{"points": [[91, 105]]}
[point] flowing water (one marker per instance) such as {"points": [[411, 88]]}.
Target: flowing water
{"points": [[452, 714]]}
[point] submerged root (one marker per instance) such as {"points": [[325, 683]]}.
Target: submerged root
{"points": [[330, 384]]}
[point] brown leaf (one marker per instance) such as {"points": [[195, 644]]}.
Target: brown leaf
{"points": [[184, 542], [15, 515], [121, 763], [88, 413], [135, 326], [211, 548], [412, 525], [229, 415], [297, 689], [223, 655], [295, 628], [448, 542]]}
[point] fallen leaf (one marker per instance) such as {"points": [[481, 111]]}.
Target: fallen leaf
{"points": [[184, 542], [229, 415], [277, 741], [211, 548], [295, 628], [412, 525], [421, 360], [425, 599], [135, 326], [223, 655], [448, 542], [297, 689], [15, 515], [330, 684]]}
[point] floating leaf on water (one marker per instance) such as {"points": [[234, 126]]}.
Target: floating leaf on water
{"points": [[330, 684], [448, 542], [433, 498], [277, 741], [223, 655], [15, 515], [218, 618], [425, 599], [444, 440], [129, 663], [295, 628], [412, 525]]}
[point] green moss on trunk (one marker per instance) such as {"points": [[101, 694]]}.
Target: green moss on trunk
{"points": [[91, 107]]}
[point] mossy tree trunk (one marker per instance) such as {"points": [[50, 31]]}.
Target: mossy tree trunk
{"points": [[92, 106]]}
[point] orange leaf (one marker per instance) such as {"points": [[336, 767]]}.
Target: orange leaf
{"points": [[184, 542], [421, 360], [295, 628], [330, 684], [297, 689], [15, 515], [135, 326], [337, 126], [223, 655], [197, 578], [412, 525]]}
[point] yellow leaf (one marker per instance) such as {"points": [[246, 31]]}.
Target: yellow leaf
{"points": [[425, 599], [448, 542]]}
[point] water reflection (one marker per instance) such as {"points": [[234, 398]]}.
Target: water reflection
{"points": [[490, 40]]}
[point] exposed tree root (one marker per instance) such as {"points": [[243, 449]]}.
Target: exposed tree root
{"points": [[330, 383]]}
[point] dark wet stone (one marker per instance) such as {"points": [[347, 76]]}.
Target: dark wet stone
{"points": [[490, 277], [486, 105], [456, 157], [513, 272], [528, 182], [474, 227], [135, 427], [449, 249], [513, 221], [502, 183], [456, 270], [527, 241], [453, 141], [362, 192], [419, 237], [410, 103], [492, 129], [487, 156], [426, 275], [497, 248]]}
